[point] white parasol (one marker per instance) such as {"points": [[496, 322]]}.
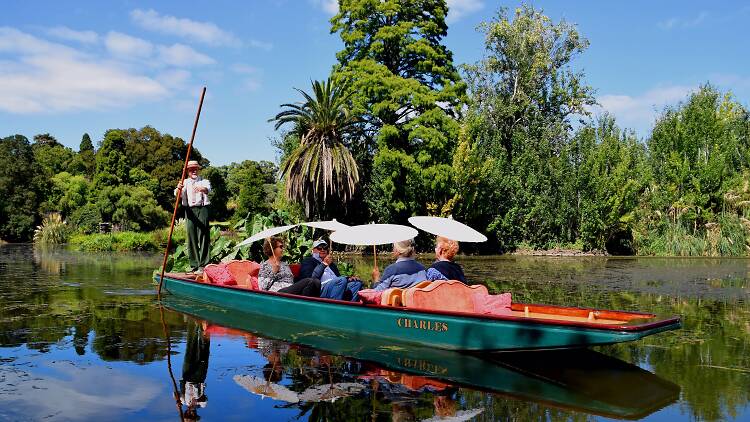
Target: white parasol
{"points": [[373, 234], [330, 392], [260, 386], [265, 233], [460, 416], [448, 228], [331, 225]]}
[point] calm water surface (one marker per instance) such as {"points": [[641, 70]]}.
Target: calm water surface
{"points": [[82, 337]]}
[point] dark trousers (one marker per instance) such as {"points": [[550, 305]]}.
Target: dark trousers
{"points": [[198, 236], [304, 287]]}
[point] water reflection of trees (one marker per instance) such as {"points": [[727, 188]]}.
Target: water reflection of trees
{"points": [[53, 296], [101, 303], [709, 358]]}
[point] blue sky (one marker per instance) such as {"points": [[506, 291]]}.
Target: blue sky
{"points": [[72, 67]]}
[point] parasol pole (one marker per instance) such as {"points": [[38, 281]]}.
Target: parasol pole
{"points": [[179, 193]]}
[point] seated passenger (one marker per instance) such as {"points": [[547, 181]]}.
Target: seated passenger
{"points": [[403, 273], [276, 276], [444, 268], [320, 266]]}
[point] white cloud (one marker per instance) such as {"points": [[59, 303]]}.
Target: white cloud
{"points": [[640, 112], [267, 46], [251, 80], [44, 77], [676, 22], [244, 69], [174, 78], [182, 56], [460, 8], [125, 46], [65, 391], [329, 6], [205, 32], [730, 81], [65, 33]]}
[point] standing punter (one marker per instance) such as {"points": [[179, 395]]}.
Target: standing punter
{"points": [[194, 196]]}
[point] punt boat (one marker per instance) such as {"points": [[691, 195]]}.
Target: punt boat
{"points": [[578, 380], [528, 327]]}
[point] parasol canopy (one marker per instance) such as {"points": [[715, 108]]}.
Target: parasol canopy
{"points": [[448, 228], [265, 233], [331, 225], [373, 234], [460, 416], [330, 392], [260, 386]]}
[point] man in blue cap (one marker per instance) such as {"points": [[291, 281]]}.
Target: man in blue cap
{"points": [[320, 266]]}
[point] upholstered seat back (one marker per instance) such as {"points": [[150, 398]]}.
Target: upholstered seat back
{"points": [[245, 272], [443, 295]]}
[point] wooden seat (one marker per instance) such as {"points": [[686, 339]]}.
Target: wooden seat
{"points": [[443, 295], [392, 297]]}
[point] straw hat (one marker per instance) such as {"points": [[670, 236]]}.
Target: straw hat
{"points": [[193, 164]]}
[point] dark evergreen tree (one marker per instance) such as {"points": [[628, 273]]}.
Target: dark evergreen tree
{"points": [[20, 182]]}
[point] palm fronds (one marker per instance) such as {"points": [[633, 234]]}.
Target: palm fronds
{"points": [[321, 166]]}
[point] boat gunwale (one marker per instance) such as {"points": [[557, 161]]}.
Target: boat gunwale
{"points": [[467, 315]]}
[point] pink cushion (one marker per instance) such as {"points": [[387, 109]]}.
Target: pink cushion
{"points": [[370, 296], [492, 304], [219, 274]]}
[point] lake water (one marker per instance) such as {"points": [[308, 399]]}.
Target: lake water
{"points": [[83, 337]]}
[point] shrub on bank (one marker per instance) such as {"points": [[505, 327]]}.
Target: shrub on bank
{"points": [[121, 241], [53, 230]]}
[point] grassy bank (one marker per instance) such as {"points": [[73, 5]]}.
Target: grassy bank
{"points": [[127, 241]]}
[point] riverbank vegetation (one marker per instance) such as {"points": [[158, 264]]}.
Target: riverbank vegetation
{"points": [[511, 145]]}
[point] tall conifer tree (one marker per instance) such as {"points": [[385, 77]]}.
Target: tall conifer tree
{"points": [[409, 93]]}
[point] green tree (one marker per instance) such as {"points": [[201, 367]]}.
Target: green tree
{"points": [[86, 144], [523, 98], [20, 182], [695, 148], [52, 156], [321, 167], [219, 192], [251, 187], [84, 163], [611, 173], [69, 192], [161, 156], [112, 165], [408, 93]]}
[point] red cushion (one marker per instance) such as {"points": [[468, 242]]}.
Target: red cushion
{"points": [[370, 296], [295, 269]]}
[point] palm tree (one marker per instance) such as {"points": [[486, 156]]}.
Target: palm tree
{"points": [[321, 166]]}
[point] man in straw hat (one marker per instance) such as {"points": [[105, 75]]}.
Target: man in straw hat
{"points": [[194, 196]]}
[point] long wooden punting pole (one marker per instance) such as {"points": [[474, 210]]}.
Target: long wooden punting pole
{"points": [[179, 192]]}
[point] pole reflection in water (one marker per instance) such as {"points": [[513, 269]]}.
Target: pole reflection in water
{"points": [[411, 382]]}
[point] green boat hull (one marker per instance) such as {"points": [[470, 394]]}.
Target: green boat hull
{"points": [[451, 331], [580, 380]]}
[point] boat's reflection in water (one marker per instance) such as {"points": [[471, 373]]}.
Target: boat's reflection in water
{"points": [[341, 365]]}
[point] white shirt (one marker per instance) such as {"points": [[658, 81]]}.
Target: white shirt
{"points": [[192, 198]]}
